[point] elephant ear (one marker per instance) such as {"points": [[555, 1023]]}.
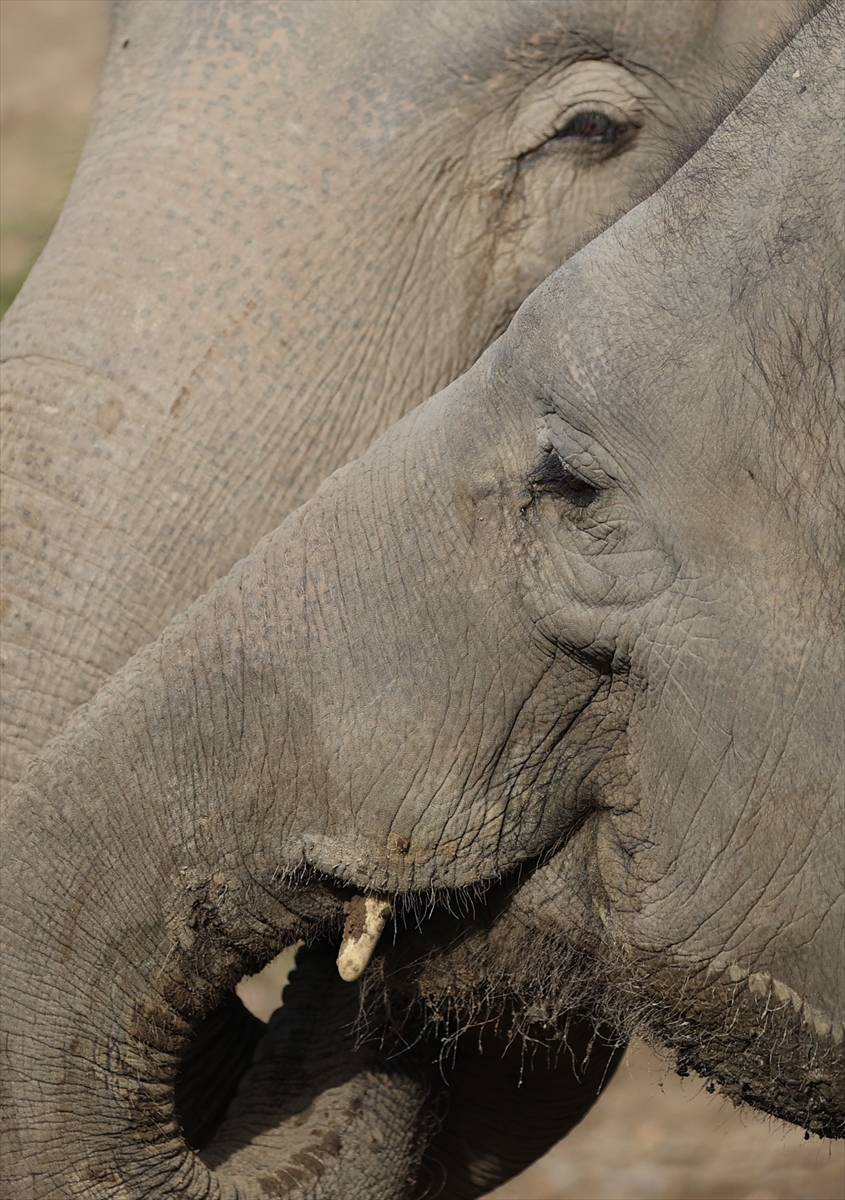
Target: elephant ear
{"points": [[317, 1113]]}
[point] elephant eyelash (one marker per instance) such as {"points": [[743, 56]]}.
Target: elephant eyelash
{"points": [[552, 477], [590, 132], [591, 127]]}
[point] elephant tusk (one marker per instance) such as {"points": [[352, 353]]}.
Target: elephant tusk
{"points": [[366, 917]]}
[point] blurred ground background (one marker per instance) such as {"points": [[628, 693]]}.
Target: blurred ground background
{"points": [[51, 52], [652, 1136]]}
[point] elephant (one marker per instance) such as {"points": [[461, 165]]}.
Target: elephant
{"points": [[292, 223], [118, 443], [548, 681]]}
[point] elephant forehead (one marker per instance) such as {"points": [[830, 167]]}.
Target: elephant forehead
{"points": [[481, 42]]}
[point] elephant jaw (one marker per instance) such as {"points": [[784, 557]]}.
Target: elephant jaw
{"points": [[745, 1031], [764, 986], [751, 1036]]}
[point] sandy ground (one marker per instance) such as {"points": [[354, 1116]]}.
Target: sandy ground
{"points": [[652, 1136]]}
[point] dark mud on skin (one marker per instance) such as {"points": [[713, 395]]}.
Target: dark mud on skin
{"points": [[745, 1038], [754, 1046]]}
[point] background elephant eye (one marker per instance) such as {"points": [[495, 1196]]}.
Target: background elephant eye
{"points": [[595, 128], [552, 477]]}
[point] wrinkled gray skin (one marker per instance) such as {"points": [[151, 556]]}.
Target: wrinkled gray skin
{"points": [[292, 223], [571, 629]]}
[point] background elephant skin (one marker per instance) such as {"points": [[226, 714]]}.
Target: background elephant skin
{"points": [[551, 647], [293, 222]]}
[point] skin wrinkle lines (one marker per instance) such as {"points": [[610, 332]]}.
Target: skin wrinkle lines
{"points": [[355, 773], [494, 819], [579, 87], [575, 445], [493, 815], [529, 57]]}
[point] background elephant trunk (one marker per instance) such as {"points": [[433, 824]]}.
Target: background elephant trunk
{"points": [[56, 410]]}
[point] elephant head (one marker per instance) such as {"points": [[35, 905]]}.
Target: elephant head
{"points": [[292, 223], [562, 652]]}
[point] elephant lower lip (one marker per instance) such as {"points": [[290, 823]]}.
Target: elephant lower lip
{"points": [[749, 1036], [762, 985]]}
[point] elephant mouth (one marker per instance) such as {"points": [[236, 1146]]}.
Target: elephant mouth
{"points": [[429, 968], [400, 963], [750, 1036]]}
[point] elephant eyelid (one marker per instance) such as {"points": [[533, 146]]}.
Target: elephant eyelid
{"points": [[553, 477], [591, 132], [591, 127]]}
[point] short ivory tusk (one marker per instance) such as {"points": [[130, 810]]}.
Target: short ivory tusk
{"points": [[365, 919]]}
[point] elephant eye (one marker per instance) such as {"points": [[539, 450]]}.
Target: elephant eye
{"points": [[552, 477], [593, 127]]}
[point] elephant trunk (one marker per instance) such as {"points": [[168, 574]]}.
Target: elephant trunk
{"points": [[281, 751], [60, 411], [172, 812]]}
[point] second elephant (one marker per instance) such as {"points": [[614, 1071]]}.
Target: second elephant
{"points": [[293, 222]]}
